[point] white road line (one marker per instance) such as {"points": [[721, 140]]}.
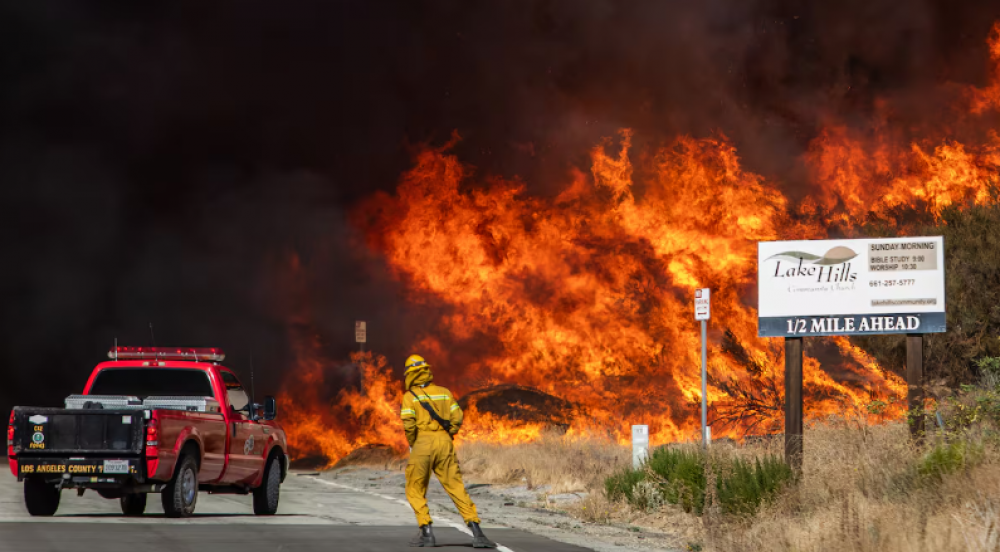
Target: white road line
{"points": [[461, 528], [454, 524]]}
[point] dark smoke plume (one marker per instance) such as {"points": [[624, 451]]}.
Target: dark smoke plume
{"points": [[166, 162]]}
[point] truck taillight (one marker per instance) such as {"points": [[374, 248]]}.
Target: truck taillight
{"points": [[153, 437], [10, 435]]}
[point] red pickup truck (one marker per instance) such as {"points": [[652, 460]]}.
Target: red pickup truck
{"points": [[151, 420]]}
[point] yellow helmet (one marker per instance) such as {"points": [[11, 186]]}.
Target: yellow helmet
{"points": [[416, 362]]}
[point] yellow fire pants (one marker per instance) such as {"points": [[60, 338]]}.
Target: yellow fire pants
{"points": [[434, 451]]}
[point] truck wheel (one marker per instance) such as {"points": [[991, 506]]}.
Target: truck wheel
{"points": [[181, 494], [265, 497], [41, 498], [133, 504]]}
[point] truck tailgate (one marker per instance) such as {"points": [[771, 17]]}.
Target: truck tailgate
{"points": [[57, 431]]}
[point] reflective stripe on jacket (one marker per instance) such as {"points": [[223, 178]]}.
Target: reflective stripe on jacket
{"points": [[416, 418]]}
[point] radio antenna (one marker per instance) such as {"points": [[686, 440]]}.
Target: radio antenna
{"points": [[116, 348], [152, 337]]}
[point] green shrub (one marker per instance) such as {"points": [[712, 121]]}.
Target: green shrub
{"points": [[989, 371], [682, 476], [678, 476], [750, 484], [947, 458], [646, 496], [621, 485], [969, 408]]}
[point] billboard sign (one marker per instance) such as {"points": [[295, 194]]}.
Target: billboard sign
{"points": [[851, 287]]}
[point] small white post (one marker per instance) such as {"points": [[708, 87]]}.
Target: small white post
{"points": [[640, 445]]}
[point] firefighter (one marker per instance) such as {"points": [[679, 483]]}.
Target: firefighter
{"points": [[431, 418]]}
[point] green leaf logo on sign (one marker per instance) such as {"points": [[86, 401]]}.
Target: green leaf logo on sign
{"points": [[837, 255]]}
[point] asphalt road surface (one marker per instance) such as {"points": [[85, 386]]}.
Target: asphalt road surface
{"points": [[313, 516]]}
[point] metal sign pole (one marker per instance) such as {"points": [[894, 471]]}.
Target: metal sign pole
{"points": [[703, 312], [704, 384], [361, 336]]}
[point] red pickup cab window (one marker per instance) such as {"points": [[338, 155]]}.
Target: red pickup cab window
{"points": [[238, 398], [145, 382]]}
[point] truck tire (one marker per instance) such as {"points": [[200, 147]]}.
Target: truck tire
{"points": [[181, 494], [133, 504], [265, 497], [40, 498]]}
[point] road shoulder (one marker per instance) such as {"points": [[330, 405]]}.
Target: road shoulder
{"points": [[506, 507]]}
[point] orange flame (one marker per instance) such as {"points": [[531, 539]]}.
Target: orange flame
{"points": [[989, 97], [587, 295], [355, 419]]}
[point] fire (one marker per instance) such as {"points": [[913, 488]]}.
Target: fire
{"points": [[862, 175], [356, 418], [989, 98], [587, 295]]}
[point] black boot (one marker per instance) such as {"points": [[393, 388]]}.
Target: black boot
{"points": [[425, 537], [479, 540]]}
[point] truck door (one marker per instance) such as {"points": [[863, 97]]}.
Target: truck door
{"points": [[246, 444]]}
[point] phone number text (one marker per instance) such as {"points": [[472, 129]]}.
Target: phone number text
{"points": [[892, 283]]}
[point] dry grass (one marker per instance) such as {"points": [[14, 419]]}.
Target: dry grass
{"points": [[382, 457], [563, 464], [860, 491]]}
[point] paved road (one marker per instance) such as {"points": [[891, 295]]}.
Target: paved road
{"points": [[313, 516]]}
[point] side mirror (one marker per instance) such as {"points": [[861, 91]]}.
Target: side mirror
{"points": [[270, 408], [250, 409]]}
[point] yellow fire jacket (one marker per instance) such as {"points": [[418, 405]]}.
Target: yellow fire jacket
{"points": [[417, 420]]}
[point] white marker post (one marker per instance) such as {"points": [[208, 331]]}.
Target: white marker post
{"points": [[702, 312], [640, 445]]}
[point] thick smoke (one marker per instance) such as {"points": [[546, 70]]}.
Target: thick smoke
{"points": [[174, 162]]}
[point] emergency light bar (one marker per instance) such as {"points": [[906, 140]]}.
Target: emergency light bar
{"points": [[211, 354]]}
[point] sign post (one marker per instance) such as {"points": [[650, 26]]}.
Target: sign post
{"points": [[360, 336], [361, 333], [703, 312], [849, 287], [793, 403], [914, 385]]}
